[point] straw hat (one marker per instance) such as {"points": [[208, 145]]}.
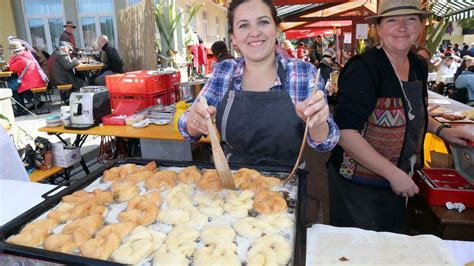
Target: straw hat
{"points": [[69, 23], [15, 46], [388, 8]]}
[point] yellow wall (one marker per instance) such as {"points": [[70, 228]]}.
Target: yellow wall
{"points": [[7, 25]]}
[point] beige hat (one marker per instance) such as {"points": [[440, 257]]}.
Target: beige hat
{"points": [[15, 46], [467, 57], [388, 8]]}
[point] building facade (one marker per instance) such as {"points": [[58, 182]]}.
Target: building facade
{"points": [[40, 22]]}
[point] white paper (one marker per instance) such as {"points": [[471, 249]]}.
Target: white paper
{"points": [[347, 37], [362, 31], [439, 101]]}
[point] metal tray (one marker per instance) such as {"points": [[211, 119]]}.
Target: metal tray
{"points": [[15, 225]]}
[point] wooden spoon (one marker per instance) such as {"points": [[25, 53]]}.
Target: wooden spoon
{"points": [[220, 162], [303, 143]]}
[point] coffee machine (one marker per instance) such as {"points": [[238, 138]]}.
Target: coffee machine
{"points": [[88, 106]]}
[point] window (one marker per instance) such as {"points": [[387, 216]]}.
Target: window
{"points": [[96, 17], [44, 22], [218, 29]]}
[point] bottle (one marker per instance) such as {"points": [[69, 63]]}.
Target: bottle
{"points": [[181, 107]]}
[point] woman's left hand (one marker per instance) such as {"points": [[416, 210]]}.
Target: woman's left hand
{"points": [[457, 135], [315, 107]]}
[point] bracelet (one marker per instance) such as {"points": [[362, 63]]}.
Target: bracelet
{"points": [[443, 125]]}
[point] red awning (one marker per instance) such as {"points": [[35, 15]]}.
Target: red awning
{"points": [[303, 34]]}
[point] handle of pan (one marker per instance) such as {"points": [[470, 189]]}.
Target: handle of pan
{"points": [[48, 194], [307, 220]]}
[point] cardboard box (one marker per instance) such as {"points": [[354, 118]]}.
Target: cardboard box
{"points": [[65, 156]]}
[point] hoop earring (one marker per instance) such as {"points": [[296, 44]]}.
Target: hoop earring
{"points": [[380, 45]]}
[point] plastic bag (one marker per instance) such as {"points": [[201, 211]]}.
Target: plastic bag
{"points": [[43, 154]]}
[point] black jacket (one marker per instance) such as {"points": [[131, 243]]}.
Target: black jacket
{"points": [[114, 62]]}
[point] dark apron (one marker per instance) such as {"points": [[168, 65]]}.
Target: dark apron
{"points": [[260, 127], [410, 157]]}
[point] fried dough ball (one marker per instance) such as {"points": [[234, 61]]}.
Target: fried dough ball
{"points": [[166, 256], [264, 183], [124, 191], [138, 176], [33, 234], [87, 208], [238, 204], [103, 197], [91, 223], [101, 247], [161, 181], [183, 238], [77, 197], [141, 243], [189, 175], [151, 166], [67, 243], [217, 235], [187, 217], [180, 196], [269, 250], [253, 227], [122, 229], [128, 169], [153, 197], [244, 176], [141, 212], [216, 255], [267, 202], [62, 213], [209, 204], [209, 181], [279, 221], [112, 175]]}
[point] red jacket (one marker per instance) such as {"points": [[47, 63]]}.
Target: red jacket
{"points": [[31, 78]]}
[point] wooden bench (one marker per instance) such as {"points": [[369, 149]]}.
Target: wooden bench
{"points": [[41, 91], [40, 175]]}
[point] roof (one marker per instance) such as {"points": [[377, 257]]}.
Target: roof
{"points": [[454, 10]]}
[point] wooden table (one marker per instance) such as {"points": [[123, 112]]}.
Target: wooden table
{"points": [[164, 137], [89, 67], [3, 77]]}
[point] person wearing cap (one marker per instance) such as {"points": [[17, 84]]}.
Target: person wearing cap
{"points": [[466, 80], [382, 115], [67, 35], [22, 63], [447, 67], [30, 49], [110, 57], [61, 68], [466, 62]]}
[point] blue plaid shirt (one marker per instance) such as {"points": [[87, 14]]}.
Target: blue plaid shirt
{"points": [[299, 83]]}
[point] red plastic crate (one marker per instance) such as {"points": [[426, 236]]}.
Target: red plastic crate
{"points": [[138, 82], [438, 186], [144, 99]]}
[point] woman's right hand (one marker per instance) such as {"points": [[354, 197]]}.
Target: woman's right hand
{"points": [[196, 120], [403, 185]]}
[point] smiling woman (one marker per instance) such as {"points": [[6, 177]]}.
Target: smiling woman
{"points": [[381, 110], [261, 100]]}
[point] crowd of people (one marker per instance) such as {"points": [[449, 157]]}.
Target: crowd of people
{"points": [[34, 67]]}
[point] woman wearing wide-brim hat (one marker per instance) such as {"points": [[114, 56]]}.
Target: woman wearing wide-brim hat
{"points": [[382, 115]]}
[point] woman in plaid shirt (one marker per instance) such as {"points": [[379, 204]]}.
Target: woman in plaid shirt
{"points": [[261, 100]]}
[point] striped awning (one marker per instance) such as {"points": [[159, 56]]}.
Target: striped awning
{"points": [[288, 10], [454, 10]]}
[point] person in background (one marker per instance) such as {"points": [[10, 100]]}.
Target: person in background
{"points": [[465, 51], [382, 114], [220, 51], [466, 62], [301, 51], [23, 65], [2, 52], [192, 42], [318, 45], [261, 100], [326, 66], [466, 80], [449, 50], [446, 67], [290, 50], [67, 35], [32, 51], [471, 49], [42, 57], [441, 49], [456, 49], [110, 57], [330, 49], [202, 57], [61, 68]]}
